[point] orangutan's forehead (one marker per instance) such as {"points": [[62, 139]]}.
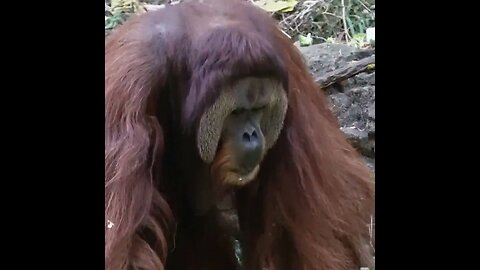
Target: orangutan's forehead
{"points": [[255, 91]]}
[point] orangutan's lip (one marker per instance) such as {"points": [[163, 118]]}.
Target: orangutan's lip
{"points": [[249, 176]]}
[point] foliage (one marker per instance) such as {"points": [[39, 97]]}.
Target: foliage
{"points": [[119, 11], [307, 21], [276, 6], [305, 40], [324, 19]]}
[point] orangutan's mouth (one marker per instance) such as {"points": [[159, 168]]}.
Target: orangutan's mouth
{"points": [[247, 177]]}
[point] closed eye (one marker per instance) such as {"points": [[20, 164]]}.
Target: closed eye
{"points": [[238, 111], [242, 110], [257, 109]]}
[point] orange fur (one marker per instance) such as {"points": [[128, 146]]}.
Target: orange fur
{"points": [[310, 205]]}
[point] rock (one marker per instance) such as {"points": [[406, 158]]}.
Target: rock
{"points": [[326, 57], [370, 163], [353, 101]]}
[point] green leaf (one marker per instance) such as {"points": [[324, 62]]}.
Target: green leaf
{"points": [[359, 36], [305, 40], [361, 26], [115, 3], [277, 6], [330, 40], [127, 6]]}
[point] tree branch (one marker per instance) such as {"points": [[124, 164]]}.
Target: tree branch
{"points": [[346, 72]]}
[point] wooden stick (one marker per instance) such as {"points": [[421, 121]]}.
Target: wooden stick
{"points": [[346, 72]]}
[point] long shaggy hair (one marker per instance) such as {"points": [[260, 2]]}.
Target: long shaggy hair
{"points": [[311, 203]]}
